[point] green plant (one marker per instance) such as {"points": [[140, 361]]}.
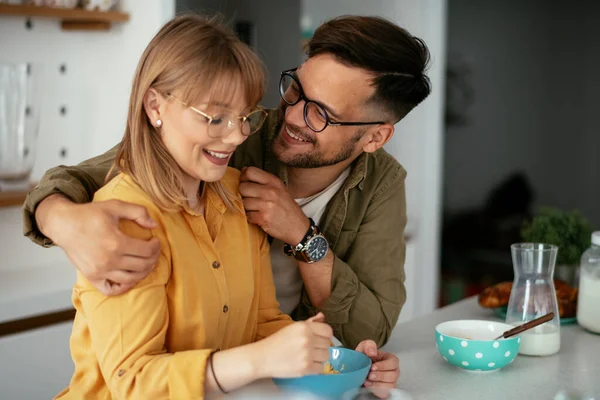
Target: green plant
{"points": [[569, 230]]}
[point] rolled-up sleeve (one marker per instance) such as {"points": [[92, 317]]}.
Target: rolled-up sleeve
{"points": [[78, 183], [367, 288]]}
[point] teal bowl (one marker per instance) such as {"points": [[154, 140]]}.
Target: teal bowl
{"points": [[470, 344], [353, 366]]}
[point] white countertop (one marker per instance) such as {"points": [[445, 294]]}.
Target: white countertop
{"points": [[425, 375], [33, 280], [27, 292]]}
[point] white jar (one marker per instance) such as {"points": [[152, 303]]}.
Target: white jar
{"points": [[588, 301]]}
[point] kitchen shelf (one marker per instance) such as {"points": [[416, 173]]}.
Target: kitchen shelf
{"points": [[9, 199], [71, 18]]}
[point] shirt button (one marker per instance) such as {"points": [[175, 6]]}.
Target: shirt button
{"points": [[225, 309], [216, 264], [121, 372]]}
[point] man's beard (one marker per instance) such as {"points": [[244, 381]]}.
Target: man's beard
{"points": [[314, 159]]}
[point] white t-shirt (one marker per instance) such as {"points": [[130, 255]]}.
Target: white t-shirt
{"points": [[286, 274]]}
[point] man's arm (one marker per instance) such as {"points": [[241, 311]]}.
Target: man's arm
{"points": [[55, 213], [364, 296], [362, 303], [77, 184]]}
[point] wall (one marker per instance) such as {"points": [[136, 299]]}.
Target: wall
{"points": [[417, 143], [36, 364], [588, 58], [277, 37], [277, 32], [95, 91], [535, 106]]}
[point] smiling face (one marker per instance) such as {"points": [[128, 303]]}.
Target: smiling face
{"points": [[202, 150], [344, 92], [193, 73], [360, 69]]}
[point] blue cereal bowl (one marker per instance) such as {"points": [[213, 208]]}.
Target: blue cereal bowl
{"points": [[470, 344], [352, 365]]}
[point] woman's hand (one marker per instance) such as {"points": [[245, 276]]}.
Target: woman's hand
{"points": [[297, 350]]}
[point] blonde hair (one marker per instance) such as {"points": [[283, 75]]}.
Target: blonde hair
{"points": [[192, 55]]}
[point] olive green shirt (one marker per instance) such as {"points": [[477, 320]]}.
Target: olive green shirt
{"points": [[364, 223]]}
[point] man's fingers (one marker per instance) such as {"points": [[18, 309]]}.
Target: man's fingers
{"points": [[117, 289], [383, 385], [108, 288], [253, 204], [254, 217], [139, 247], [253, 174], [137, 264], [243, 177], [250, 189], [386, 364], [383, 376], [125, 277], [133, 212], [368, 347]]}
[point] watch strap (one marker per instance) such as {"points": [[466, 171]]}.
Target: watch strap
{"points": [[290, 250]]}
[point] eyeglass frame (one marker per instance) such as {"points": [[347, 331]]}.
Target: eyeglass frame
{"points": [[210, 118], [302, 96]]}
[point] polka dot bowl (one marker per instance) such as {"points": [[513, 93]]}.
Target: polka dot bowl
{"points": [[470, 344]]}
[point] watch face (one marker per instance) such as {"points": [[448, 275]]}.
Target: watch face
{"points": [[316, 248]]}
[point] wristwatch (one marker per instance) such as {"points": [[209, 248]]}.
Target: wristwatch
{"points": [[312, 248]]}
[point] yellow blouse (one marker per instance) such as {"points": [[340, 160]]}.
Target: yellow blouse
{"points": [[211, 289]]}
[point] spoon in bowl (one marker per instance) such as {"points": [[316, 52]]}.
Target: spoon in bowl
{"points": [[526, 326]]}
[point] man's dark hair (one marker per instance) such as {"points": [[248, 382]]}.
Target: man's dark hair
{"points": [[397, 59]]}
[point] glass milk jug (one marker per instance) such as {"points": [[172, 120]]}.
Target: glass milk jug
{"points": [[588, 301], [19, 122], [533, 295]]}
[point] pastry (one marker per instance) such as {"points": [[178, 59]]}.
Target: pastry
{"points": [[498, 295], [495, 296]]}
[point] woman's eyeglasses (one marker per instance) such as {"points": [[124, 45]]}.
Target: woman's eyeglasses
{"points": [[223, 123]]}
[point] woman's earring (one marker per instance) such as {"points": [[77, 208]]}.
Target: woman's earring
{"points": [[159, 123]]}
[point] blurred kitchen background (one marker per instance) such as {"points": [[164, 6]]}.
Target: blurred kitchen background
{"points": [[511, 126]]}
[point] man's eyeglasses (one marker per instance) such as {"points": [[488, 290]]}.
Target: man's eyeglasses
{"points": [[315, 115], [222, 124]]}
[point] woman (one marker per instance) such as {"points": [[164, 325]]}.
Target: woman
{"points": [[195, 324]]}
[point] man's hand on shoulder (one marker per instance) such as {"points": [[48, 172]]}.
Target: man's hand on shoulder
{"points": [[90, 236]]}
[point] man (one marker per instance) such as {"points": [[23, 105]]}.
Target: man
{"points": [[319, 156]]}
